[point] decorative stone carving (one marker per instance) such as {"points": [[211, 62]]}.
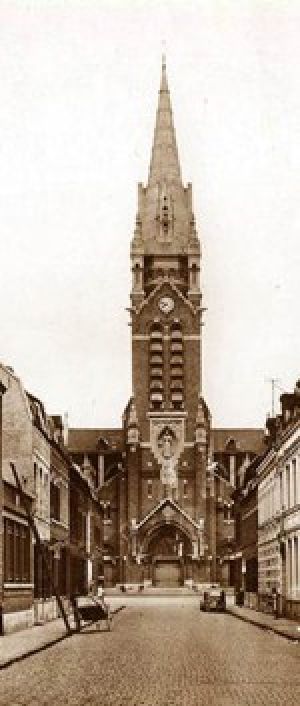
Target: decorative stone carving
{"points": [[167, 443], [132, 436], [132, 421], [132, 430], [162, 446], [168, 513]]}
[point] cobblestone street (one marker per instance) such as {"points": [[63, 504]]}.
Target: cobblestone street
{"points": [[160, 652]]}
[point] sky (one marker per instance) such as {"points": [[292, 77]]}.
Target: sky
{"points": [[79, 85]]}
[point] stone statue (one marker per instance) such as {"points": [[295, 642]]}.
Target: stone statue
{"points": [[167, 445]]}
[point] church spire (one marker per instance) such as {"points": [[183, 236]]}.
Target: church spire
{"points": [[164, 165]]}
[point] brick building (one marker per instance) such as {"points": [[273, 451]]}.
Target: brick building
{"points": [[51, 470], [244, 565], [279, 507], [166, 492], [3, 388], [86, 530], [17, 549], [63, 501]]}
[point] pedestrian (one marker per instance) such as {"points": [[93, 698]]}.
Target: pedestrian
{"points": [[100, 591], [276, 602]]}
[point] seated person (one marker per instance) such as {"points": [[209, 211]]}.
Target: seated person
{"points": [[96, 593]]}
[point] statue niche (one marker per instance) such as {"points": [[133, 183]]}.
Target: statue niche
{"points": [[167, 446], [166, 442]]}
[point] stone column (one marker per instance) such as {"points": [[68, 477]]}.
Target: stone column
{"points": [[284, 496], [297, 480], [294, 560], [277, 494], [288, 566], [294, 481]]}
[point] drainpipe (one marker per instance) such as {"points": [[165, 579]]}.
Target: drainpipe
{"points": [[2, 391]]}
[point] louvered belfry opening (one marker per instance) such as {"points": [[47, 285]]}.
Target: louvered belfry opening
{"points": [[176, 366], [156, 365]]}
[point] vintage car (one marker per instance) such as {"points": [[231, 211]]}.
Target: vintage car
{"points": [[214, 599]]}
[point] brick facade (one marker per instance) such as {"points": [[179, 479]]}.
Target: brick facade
{"points": [[63, 502], [278, 477]]}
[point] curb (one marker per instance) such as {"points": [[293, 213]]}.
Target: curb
{"points": [[34, 651], [263, 626]]}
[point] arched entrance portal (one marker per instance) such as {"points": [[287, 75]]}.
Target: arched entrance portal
{"points": [[167, 548]]}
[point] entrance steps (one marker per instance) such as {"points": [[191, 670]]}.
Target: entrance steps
{"points": [[167, 591], [151, 591], [138, 589]]}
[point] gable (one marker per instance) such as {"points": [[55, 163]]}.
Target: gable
{"points": [[166, 510], [167, 288]]}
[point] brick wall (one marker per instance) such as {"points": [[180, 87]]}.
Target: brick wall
{"points": [[17, 433]]}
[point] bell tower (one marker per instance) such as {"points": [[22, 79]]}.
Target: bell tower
{"points": [[166, 421], [165, 261]]}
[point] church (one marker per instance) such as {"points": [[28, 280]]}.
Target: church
{"points": [[166, 476]]}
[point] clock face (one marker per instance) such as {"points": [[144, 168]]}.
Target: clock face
{"points": [[166, 304]]}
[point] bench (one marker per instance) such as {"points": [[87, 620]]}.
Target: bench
{"points": [[92, 612]]}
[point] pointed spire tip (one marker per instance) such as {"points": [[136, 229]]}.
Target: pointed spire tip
{"points": [[164, 81]]}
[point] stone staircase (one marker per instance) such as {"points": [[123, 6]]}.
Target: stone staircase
{"points": [[153, 591], [168, 590]]}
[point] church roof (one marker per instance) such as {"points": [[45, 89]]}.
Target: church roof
{"points": [[251, 440], [88, 440]]}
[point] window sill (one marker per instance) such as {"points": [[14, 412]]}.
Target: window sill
{"points": [[12, 584], [60, 523]]}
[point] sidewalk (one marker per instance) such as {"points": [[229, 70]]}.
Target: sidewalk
{"points": [[18, 645], [282, 626]]}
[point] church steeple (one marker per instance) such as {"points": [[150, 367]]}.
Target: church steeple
{"points": [[164, 164], [165, 222]]}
